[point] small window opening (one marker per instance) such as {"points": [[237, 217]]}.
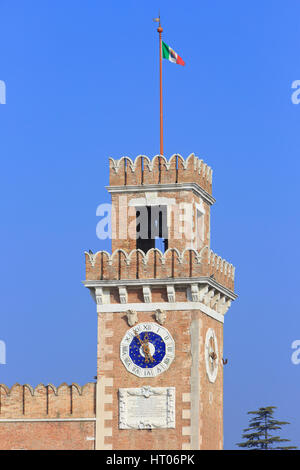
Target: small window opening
{"points": [[151, 228]]}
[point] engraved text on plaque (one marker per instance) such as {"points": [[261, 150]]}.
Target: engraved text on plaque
{"points": [[146, 408]]}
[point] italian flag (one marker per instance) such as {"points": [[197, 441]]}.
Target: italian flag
{"points": [[169, 54]]}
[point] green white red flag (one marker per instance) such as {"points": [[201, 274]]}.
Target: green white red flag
{"points": [[169, 54]]}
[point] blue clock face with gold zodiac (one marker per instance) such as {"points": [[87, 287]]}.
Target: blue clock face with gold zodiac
{"points": [[147, 349]]}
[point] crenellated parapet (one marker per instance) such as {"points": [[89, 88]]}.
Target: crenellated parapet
{"points": [[47, 401], [160, 170], [135, 264]]}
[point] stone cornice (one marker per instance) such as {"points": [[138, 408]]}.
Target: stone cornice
{"points": [[165, 306], [204, 280], [163, 187]]}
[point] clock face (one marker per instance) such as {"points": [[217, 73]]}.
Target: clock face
{"points": [[211, 355], [147, 349]]}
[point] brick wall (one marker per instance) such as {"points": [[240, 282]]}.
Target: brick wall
{"points": [[181, 224], [46, 417], [47, 436], [111, 329]]}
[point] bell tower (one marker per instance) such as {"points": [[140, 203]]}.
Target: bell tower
{"points": [[161, 296]]}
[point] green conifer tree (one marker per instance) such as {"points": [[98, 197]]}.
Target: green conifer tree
{"points": [[259, 434]]}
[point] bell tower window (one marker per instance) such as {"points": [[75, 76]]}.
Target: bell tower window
{"points": [[151, 228]]}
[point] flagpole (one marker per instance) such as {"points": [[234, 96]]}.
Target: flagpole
{"points": [[160, 30]]}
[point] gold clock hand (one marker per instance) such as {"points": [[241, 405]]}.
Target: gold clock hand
{"points": [[138, 337], [145, 346], [146, 350]]}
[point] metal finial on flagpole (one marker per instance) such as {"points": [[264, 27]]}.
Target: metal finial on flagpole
{"points": [[157, 20]]}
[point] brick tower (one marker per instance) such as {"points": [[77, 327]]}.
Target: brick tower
{"points": [[161, 296]]}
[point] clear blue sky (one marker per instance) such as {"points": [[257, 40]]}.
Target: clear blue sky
{"points": [[82, 85]]}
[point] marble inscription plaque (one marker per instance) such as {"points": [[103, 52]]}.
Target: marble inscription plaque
{"points": [[146, 408]]}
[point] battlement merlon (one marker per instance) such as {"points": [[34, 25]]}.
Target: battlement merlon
{"points": [[157, 265], [174, 276], [47, 402], [160, 171]]}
